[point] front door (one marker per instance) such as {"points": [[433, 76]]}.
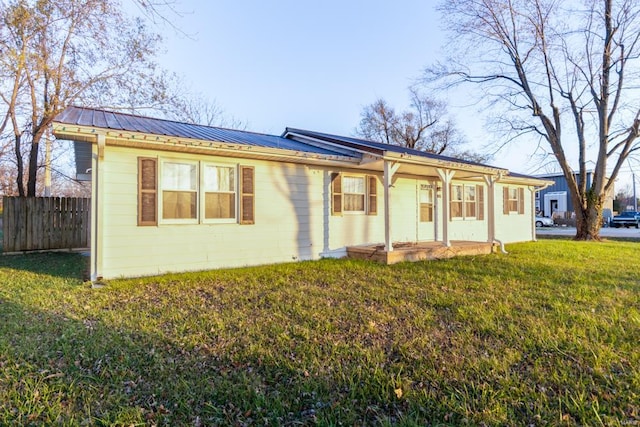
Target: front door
{"points": [[426, 212]]}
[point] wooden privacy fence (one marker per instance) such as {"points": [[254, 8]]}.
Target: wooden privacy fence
{"points": [[42, 223]]}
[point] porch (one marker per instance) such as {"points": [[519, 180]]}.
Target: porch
{"points": [[418, 251]]}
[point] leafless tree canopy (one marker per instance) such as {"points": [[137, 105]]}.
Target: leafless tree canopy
{"points": [[55, 53], [424, 126], [564, 70]]}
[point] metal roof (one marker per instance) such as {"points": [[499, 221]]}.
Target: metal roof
{"points": [[378, 147], [103, 119]]}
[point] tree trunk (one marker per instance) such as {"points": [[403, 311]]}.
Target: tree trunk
{"points": [[589, 218], [19, 166], [33, 166]]}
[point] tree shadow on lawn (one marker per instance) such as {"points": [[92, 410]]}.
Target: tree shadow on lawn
{"points": [[91, 360], [63, 369], [59, 264]]}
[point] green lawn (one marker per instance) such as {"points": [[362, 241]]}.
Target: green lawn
{"points": [[547, 335]]}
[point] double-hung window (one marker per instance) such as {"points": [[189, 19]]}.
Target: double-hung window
{"points": [[513, 200], [353, 188], [219, 188], [467, 201], [179, 183], [354, 194], [172, 191], [457, 201]]}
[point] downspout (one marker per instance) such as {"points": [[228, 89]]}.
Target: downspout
{"points": [[96, 217]]}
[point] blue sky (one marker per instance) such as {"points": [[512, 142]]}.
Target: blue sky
{"points": [[306, 64], [316, 64]]}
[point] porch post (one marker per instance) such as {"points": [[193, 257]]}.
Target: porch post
{"points": [[446, 175], [491, 208], [97, 155], [389, 170]]}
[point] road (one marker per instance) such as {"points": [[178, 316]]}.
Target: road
{"points": [[628, 233]]}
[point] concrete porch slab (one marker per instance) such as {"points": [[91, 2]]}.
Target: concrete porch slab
{"points": [[418, 251]]}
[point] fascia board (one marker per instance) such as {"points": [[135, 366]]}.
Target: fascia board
{"points": [[164, 143]]}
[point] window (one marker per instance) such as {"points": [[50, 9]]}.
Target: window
{"points": [[426, 203], [191, 192], [219, 184], [354, 194], [513, 200], [457, 199], [179, 190], [467, 201]]}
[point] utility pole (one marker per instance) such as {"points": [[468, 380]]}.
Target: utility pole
{"points": [[47, 164], [635, 197]]}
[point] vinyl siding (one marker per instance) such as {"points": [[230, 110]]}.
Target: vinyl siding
{"points": [[293, 220], [514, 227]]}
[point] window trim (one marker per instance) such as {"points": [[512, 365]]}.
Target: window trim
{"points": [[478, 201], [506, 200], [202, 194], [363, 194], [336, 187], [430, 188], [161, 190], [244, 192]]}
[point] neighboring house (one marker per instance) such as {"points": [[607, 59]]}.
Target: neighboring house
{"points": [[556, 198], [170, 196]]}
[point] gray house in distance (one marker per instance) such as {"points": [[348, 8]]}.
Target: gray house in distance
{"points": [[556, 198]]}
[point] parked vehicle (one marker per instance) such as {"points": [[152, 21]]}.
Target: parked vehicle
{"points": [[626, 219], [543, 221]]}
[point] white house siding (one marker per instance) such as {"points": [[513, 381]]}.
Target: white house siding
{"points": [[289, 211], [293, 220], [350, 229], [514, 227]]}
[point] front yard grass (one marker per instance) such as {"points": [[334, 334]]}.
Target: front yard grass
{"points": [[547, 335]]}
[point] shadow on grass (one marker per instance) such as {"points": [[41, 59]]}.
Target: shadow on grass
{"points": [[326, 342], [82, 371], [58, 264]]}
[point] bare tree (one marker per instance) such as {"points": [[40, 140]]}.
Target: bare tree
{"points": [[59, 52], [424, 126], [555, 66], [203, 111]]}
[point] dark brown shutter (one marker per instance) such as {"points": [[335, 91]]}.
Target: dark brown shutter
{"points": [[336, 194], [521, 201], [480, 202], [505, 200], [147, 191], [372, 190], [247, 193]]}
